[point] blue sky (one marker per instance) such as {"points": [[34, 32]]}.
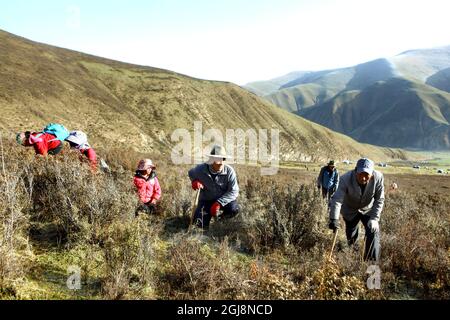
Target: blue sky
{"points": [[237, 41]]}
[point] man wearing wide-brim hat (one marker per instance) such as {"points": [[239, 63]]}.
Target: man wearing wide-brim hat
{"points": [[219, 188], [360, 198]]}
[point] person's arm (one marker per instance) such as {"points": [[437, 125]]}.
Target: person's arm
{"points": [[378, 203], [141, 190], [336, 181], [92, 157], [232, 191], [337, 200], [194, 173], [156, 190]]}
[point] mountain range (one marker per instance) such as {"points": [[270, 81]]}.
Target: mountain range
{"points": [[403, 101]]}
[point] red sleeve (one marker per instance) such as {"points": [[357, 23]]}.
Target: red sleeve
{"points": [[141, 187], [92, 156], [41, 148], [156, 190]]}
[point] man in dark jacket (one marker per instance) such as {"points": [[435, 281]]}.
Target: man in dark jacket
{"points": [[328, 180], [360, 197], [219, 188]]}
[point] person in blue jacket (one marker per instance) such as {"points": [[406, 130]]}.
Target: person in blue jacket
{"points": [[328, 180], [219, 188]]}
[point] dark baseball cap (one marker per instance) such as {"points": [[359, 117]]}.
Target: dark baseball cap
{"points": [[365, 165]]}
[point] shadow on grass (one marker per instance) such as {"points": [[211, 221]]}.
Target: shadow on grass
{"points": [[175, 225]]}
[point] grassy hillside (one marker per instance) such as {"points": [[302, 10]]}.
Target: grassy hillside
{"points": [[137, 107]]}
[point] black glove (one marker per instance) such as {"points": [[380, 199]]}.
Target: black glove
{"points": [[147, 208], [334, 224]]}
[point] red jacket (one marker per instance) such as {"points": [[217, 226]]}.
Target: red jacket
{"points": [[148, 190], [43, 142], [92, 157]]}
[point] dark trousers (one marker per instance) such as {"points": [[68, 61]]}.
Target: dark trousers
{"points": [[202, 216], [149, 209], [57, 150], [327, 193], [372, 242]]}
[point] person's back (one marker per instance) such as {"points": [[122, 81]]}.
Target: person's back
{"points": [[43, 143]]}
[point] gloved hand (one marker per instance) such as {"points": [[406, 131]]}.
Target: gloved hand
{"points": [[334, 224], [373, 225], [151, 203], [215, 209], [196, 184], [147, 208]]}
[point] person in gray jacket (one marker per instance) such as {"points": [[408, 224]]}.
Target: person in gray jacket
{"points": [[360, 197], [219, 188]]}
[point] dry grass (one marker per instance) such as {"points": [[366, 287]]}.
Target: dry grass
{"points": [[54, 213]]}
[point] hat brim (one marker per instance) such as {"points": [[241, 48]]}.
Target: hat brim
{"points": [[366, 170], [74, 140], [145, 168], [217, 156]]}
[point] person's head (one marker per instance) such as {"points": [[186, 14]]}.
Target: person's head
{"points": [[364, 170], [145, 167], [77, 139], [23, 138], [217, 158], [331, 165], [20, 138]]}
